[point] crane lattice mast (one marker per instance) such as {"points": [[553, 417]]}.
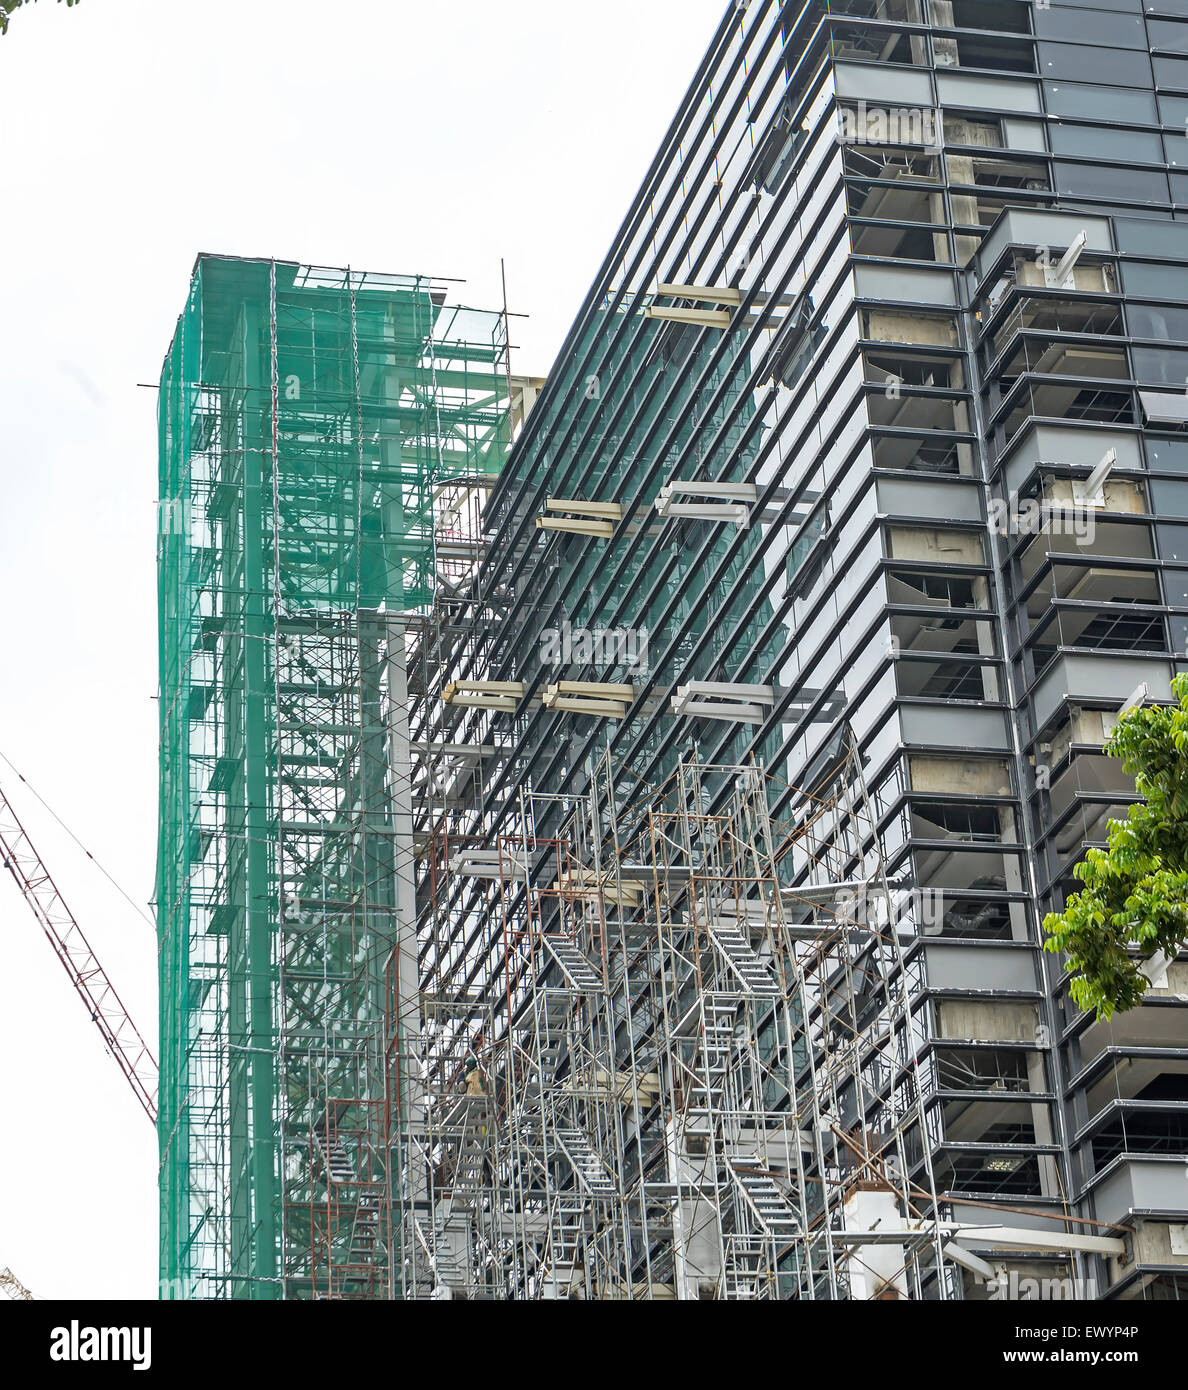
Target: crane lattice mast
{"points": [[12, 1288], [120, 1034]]}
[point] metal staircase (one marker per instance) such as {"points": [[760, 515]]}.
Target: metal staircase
{"points": [[762, 1194], [566, 1234], [586, 1164], [743, 961], [553, 1009], [335, 1160], [365, 1231], [707, 1093], [575, 966], [745, 1274]]}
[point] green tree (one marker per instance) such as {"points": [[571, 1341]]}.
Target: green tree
{"points": [[1136, 891], [9, 7]]}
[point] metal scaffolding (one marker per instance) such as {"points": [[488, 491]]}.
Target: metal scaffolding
{"points": [[324, 436], [680, 1051]]}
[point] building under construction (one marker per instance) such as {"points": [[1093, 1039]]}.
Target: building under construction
{"points": [[605, 836]]}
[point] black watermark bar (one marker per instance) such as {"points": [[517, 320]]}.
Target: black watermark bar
{"points": [[140, 1340]]}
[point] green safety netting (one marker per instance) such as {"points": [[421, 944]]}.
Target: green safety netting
{"points": [[308, 419]]}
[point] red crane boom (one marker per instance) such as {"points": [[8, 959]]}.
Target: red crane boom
{"points": [[88, 977]]}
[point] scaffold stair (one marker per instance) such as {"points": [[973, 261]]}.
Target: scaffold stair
{"points": [[764, 1197], [586, 1164], [450, 1264], [552, 1035], [365, 1232], [738, 954], [718, 1033], [468, 1172], [745, 1274], [566, 1229], [707, 1093], [334, 1158], [576, 968]]}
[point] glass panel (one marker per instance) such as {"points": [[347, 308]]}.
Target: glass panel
{"points": [[1154, 321], [1159, 281], [1106, 181], [1091, 26], [1176, 150], [792, 355], [1175, 581], [1173, 111], [1168, 35], [806, 556], [1151, 237], [1167, 455], [1173, 545], [1128, 5], [1170, 499], [1160, 367], [985, 14], [1109, 65], [1000, 55], [866, 41], [1079, 99], [1171, 72], [1101, 142]]}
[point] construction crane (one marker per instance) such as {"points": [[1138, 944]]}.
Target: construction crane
{"points": [[120, 1035], [12, 1287]]}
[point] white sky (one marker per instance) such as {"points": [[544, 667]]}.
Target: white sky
{"points": [[391, 135]]}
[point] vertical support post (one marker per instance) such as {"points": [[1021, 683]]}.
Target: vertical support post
{"points": [[410, 1099], [259, 1041]]}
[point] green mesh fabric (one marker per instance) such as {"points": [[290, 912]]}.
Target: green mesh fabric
{"points": [[307, 420]]}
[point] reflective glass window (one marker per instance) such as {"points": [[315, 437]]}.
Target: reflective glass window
{"points": [[1080, 99], [1084, 62], [1111, 181], [1091, 26], [1171, 72], [1102, 142]]}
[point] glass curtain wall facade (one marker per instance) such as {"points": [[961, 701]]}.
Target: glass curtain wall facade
{"points": [[901, 310]]}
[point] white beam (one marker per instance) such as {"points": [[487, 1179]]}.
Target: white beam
{"points": [[742, 492], [499, 702], [967, 1260], [722, 501], [575, 704], [1138, 696], [764, 694], [487, 863], [609, 511], [703, 318], [1070, 258], [1154, 970], [610, 690], [709, 709], [723, 700], [1088, 492], [711, 294], [498, 695], [989, 1237], [1023, 1238], [607, 700], [469, 751], [576, 526]]}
